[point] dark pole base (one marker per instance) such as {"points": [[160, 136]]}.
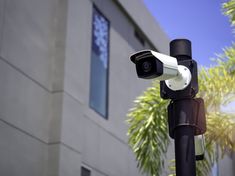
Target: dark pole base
{"points": [[185, 151]]}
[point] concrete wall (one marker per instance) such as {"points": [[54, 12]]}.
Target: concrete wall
{"points": [[31, 77]]}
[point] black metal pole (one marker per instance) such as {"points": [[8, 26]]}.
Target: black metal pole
{"points": [[181, 117], [185, 151], [183, 112]]}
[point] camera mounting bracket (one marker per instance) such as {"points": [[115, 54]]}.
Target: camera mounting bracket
{"points": [[181, 81]]}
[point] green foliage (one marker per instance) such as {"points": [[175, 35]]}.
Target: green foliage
{"points": [[148, 133], [217, 88], [227, 59], [217, 85], [221, 130], [229, 10]]}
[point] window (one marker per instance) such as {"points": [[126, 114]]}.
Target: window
{"points": [[85, 172], [99, 64]]}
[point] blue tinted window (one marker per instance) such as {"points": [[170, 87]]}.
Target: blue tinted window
{"points": [[99, 64]]}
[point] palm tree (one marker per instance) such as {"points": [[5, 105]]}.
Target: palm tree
{"points": [[148, 130]]}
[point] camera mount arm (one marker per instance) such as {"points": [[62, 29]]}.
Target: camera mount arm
{"points": [[181, 80]]}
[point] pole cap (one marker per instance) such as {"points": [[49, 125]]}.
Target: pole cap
{"points": [[180, 47]]}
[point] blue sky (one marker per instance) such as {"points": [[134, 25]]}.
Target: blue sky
{"points": [[200, 21]]}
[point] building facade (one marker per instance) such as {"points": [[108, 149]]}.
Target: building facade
{"points": [[67, 84]]}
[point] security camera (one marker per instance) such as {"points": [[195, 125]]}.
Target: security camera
{"points": [[150, 64]]}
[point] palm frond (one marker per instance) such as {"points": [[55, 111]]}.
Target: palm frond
{"points": [[221, 130], [148, 132], [216, 86], [229, 10]]}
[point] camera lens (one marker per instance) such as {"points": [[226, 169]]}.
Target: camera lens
{"points": [[146, 66]]}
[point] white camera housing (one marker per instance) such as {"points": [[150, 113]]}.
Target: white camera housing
{"points": [[170, 65], [151, 64]]}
